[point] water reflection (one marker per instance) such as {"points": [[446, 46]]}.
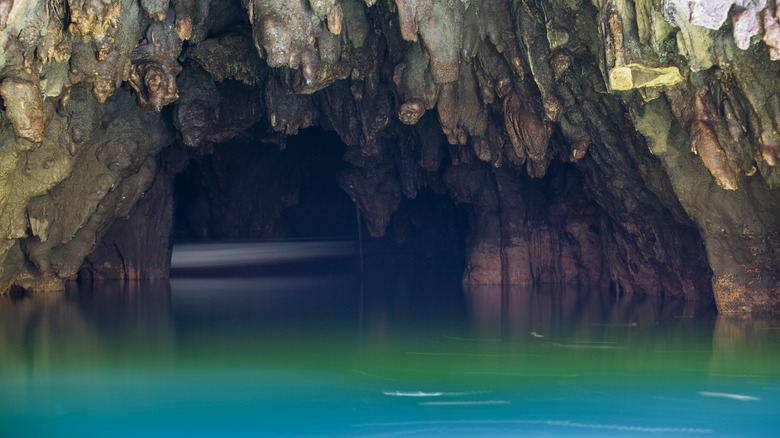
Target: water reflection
{"points": [[112, 322], [515, 312], [738, 336], [409, 352]]}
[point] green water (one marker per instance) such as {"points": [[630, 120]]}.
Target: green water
{"points": [[410, 354]]}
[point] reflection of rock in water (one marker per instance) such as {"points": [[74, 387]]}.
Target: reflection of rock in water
{"points": [[523, 309], [135, 311], [521, 312], [737, 337], [33, 328], [42, 332], [565, 330], [484, 307]]}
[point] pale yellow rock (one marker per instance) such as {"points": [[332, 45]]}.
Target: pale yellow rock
{"points": [[627, 77], [56, 78], [39, 228], [655, 124]]}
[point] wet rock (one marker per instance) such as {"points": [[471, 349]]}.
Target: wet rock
{"points": [[288, 112], [55, 44], [335, 19], [358, 122], [352, 14], [514, 239], [375, 188], [530, 28], [529, 135], [438, 27], [282, 29], [229, 56], [155, 9], [461, 113], [197, 110], [117, 164], [155, 66], [106, 64], [736, 234], [416, 90], [704, 142], [5, 9], [560, 63], [240, 107], [94, 19], [24, 107], [191, 18]]}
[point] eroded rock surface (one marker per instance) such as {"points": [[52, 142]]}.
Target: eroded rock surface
{"points": [[630, 144]]}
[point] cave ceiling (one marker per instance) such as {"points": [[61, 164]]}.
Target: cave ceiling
{"points": [[654, 124]]}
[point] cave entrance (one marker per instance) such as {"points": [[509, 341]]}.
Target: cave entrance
{"points": [[258, 188]]}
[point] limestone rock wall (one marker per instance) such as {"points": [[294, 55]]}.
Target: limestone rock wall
{"points": [[666, 113]]}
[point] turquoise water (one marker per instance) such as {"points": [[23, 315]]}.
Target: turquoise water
{"points": [[409, 354]]}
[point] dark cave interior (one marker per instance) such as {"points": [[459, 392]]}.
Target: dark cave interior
{"points": [[256, 188], [497, 226]]}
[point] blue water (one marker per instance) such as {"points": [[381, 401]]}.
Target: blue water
{"points": [[408, 354]]}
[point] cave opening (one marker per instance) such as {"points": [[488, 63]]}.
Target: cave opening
{"points": [[264, 187], [486, 225], [261, 187]]}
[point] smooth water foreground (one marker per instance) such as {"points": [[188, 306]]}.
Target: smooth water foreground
{"points": [[410, 354]]}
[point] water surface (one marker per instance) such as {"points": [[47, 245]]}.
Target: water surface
{"points": [[408, 354]]}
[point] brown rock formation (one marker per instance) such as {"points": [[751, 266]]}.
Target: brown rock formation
{"points": [[566, 128]]}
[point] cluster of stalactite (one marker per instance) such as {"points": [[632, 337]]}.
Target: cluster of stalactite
{"points": [[664, 128]]}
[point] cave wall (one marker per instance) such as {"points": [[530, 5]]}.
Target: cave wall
{"points": [[661, 117]]}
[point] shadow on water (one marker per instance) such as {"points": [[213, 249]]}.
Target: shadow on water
{"points": [[303, 355]]}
